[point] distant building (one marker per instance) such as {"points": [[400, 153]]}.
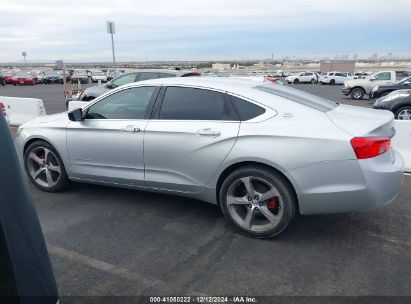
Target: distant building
{"points": [[337, 65], [221, 66]]}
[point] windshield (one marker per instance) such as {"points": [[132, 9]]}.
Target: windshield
{"points": [[23, 74], [99, 74], [52, 73], [402, 81], [301, 97]]}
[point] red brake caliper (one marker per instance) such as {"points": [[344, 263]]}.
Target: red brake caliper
{"points": [[272, 203]]}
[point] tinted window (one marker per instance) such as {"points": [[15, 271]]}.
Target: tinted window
{"points": [[127, 104], [195, 104], [246, 110], [383, 76], [166, 75], [299, 96], [340, 74], [124, 79], [148, 75]]}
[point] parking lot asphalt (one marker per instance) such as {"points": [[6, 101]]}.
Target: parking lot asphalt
{"points": [[108, 241]]}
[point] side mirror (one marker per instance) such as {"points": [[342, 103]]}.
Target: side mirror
{"points": [[76, 115]]}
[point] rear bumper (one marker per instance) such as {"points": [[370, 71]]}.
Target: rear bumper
{"points": [[351, 185]]}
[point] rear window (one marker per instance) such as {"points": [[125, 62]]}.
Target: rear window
{"points": [[246, 110], [301, 97]]}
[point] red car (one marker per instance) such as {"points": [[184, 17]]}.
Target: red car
{"points": [[7, 76], [22, 78]]}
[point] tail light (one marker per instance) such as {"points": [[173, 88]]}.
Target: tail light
{"points": [[3, 109], [368, 147]]}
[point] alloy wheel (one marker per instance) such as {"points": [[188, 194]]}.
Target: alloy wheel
{"points": [[404, 114], [44, 167], [255, 204]]}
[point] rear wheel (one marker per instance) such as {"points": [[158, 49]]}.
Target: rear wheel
{"points": [[312, 81], [296, 81], [403, 113], [44, 167], [357, 93], [257, 202]]}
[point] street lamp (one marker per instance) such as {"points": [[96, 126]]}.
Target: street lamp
{"points": [[111, 30], [24, 54]]}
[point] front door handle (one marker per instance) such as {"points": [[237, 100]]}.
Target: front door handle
{"points": [[130, 129], [209, 132]]}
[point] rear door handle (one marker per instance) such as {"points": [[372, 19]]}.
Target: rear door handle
{"points": [[209, 132], [130, 129]]}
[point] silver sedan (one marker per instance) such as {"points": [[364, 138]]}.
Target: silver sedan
{"points": [[262, 152]]}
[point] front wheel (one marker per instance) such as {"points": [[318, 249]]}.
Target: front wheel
{"points": [[357, 93], [296, 81], [44, 167], [403, 113], [312, 81], [257, 202]]}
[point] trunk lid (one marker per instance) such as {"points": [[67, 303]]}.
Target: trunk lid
{"points": [[359, 121]]}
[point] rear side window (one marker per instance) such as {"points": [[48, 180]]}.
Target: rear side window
{"points": [[246, 110], [147, 76], [298, 96], [166, 75], [195, 104]]}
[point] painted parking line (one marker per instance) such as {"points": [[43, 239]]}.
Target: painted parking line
{"points": [[102, 266]]}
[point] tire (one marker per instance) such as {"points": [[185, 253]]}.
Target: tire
{"points": [[332, 82], [403, 113], [357, 93], [296, 81], [41, 162], [3, 82], [312, 81], [283, 202]]}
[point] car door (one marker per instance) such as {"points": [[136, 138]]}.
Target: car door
{"points": [[190, 134], [340, 78], [383, 78], [107, 145]]}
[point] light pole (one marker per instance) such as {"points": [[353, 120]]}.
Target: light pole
{"points": [[112, 30], [24, 54]]}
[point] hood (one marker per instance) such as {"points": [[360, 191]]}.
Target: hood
{"points": [[359, 121], [97, 90], [47, 120]]}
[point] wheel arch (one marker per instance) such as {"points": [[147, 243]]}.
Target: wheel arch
{"points": [[40, 138], [235, 166]]}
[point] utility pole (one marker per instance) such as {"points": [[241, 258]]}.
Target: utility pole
{"points": [[24, 54], [111, 30]]}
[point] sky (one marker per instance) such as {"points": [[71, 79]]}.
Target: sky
{"points": [[75, 30]]}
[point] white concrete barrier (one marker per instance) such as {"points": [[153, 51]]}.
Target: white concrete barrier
{"points": [[75, 104], [402, 141], [21, 110]]}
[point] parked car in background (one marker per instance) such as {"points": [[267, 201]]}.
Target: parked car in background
{"points": [[358, 88], [80, 75], [382, 90], [398, 102], [53, 77], [303, 77], [39, 75], [7, 76], [335, 78], [24, 77], [201, 139], [93, 92], [98, 75]]}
